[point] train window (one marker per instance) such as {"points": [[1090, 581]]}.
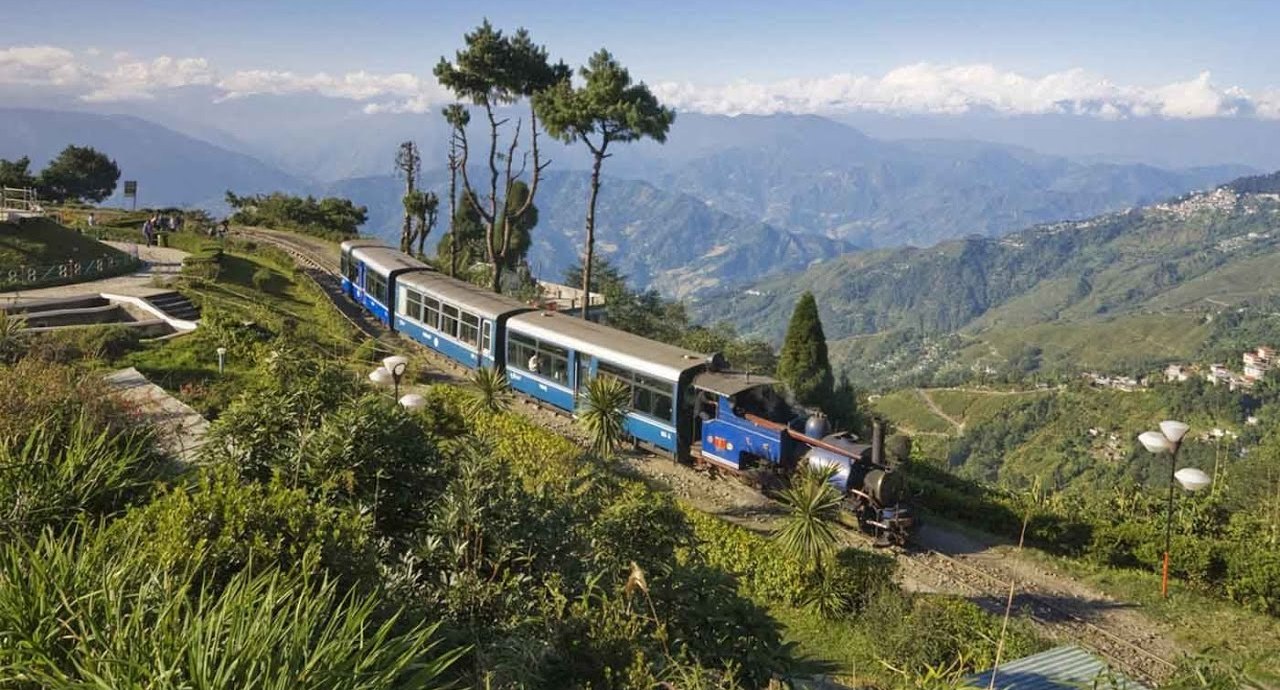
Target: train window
{"points": [[469, 332], [376, 286], [486, 336], [431, 312], [538, 357], [412, 306], [353, 272], [449, 320], [649, 396], [344, 264]]}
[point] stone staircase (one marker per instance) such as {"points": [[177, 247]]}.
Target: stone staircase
{"points": [[174, 305]]}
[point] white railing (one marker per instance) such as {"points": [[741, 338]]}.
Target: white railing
{"points": [[22, 201]]}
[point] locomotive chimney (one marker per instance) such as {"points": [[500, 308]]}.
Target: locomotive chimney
{"points": [[877, 442]]}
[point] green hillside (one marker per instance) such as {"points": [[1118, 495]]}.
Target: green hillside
{"points": [[1124, 290], [41, 243]]}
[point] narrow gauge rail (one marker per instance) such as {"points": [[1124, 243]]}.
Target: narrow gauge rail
{"points": [[990, 590]]}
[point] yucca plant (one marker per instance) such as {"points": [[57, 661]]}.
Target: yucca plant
{"points": [[807, 533], [76, 613], [602, 413], [488, 392]]}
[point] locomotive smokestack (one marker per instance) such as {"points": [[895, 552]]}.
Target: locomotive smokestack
{"points": [[877, 442]]}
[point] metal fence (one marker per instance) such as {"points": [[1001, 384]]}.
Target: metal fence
{"points": [[70, 271]]}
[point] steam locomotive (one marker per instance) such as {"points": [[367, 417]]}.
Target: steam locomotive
{"points": [[686, 405]]}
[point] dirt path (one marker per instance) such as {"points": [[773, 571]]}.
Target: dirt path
{"points": [[934, 408], [942, 560]]}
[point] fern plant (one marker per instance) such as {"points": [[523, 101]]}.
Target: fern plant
{"points": [[13, 335], [603, 412], [488, 392]]}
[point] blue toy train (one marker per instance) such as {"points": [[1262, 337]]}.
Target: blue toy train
{"points": [[688, 406]]}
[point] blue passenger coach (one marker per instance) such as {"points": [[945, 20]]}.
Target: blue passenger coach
{"points": [[461, 321], [552, 356], [379, 267], [352, 280]]}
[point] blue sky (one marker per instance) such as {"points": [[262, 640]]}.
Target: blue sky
{"points": [[1082, 52]]}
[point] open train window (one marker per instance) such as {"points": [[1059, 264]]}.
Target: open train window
{"points": [[763, 401]]}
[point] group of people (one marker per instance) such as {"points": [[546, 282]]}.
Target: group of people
{"points": [[156, 224]]}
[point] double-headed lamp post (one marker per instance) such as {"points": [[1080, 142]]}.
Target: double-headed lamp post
{"points": [[390, 373], [1168, 440]]}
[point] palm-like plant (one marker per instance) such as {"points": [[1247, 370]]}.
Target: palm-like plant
{"points": [[807, 533], [602, 413], [489, 392]]}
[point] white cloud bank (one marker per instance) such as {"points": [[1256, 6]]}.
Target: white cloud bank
{"points": [[919, 88], [931, 88]]}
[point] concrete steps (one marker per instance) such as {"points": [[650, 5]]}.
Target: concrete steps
{"points": [[174, 305]]}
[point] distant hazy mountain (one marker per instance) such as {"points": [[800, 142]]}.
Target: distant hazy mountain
{"points": [[670, 241], [814, 175], [171, 168]]}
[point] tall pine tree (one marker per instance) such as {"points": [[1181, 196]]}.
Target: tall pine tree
{"points": [[803, 365]]}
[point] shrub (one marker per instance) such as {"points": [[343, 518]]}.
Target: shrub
{"points": [[57, 473], [222, 526], [134, 624]]}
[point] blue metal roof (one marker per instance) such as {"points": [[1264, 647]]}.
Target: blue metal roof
{"points": [[1061, 668]]}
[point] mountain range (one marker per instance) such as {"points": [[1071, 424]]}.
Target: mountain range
{"points": [[725, 200], [1144, 278]]}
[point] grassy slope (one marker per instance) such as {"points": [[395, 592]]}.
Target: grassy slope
{"points": [[41, 242]]}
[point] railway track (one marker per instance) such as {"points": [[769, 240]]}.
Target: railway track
{"points": [[986, 588]]}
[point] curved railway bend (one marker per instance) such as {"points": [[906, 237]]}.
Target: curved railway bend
{"points": [[941, 561]]}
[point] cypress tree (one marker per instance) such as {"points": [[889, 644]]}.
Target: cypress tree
{"points": [[803, 365]]}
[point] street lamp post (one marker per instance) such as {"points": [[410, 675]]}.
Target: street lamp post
{"points": [[1169, 440], [391, 371]]}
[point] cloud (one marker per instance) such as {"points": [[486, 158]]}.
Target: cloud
{"points": [[90, 76], [136, 80], [928, 88], [39, 66], [918, 88]]}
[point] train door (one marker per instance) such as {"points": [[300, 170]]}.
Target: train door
{"points": [[581, 376]]}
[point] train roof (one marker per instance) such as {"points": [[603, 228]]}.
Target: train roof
{"points": [[730, 383], [473, 297], [348, 245], [618, 347], [385, 259]]}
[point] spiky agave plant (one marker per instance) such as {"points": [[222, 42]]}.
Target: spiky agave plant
{"points": [[807, 532], [602, 413], [488, 392]]}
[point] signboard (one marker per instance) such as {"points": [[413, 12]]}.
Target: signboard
{"points": [[131, 190]]}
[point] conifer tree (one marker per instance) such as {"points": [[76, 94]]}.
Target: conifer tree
{"points": [[803, 365]]}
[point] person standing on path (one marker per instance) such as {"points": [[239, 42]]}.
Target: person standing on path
{"points": [[148, 231]]}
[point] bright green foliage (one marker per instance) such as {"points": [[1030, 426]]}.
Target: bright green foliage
{"points": [[602, 412], [222, 526], [803, 365], [808, 532], [330, 217], [421, 208], [489, 392], [607, 108], [17, 173], [79, 173], [131, 624]]}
